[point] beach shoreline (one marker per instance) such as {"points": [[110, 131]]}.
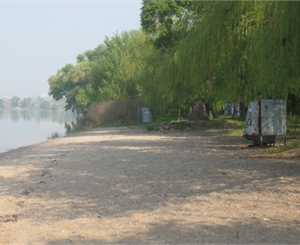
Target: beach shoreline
{"points": [[129, 185]]}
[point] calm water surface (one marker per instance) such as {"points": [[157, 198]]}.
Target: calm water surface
{"points": [[25, 127]]}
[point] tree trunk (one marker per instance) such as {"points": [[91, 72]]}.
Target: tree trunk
{"points": [[243, 109], [179, 112], [209, 111], [234, 111], [198, 110]]}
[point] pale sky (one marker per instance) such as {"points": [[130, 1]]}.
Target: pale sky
{"points": [[39, 37]]}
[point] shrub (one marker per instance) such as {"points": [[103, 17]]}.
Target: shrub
{"points": [[149, 127], [114, 111]]}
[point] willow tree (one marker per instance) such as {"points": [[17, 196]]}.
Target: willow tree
{"points": [[259, 49], [274, 53], [188, 72], [211, 55], [167, 22], [239, 51]]}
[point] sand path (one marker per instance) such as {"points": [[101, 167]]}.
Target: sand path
{"points": [[127, 185]]}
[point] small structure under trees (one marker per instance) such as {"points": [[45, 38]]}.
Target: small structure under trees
{"points": [[265, 119]]}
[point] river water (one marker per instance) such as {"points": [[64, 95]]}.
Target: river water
{"points": [[25, 127]]}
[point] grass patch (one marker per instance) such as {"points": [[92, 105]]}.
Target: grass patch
{"points": [[234, 132], [238, 122], [159, 121], [215, 123], [114, 124], [290, 144], [227, 125], [164, 119]]}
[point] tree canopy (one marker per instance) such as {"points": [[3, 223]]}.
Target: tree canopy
{"points": [[218, 51]]}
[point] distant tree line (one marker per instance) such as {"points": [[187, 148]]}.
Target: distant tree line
{"points": [[30, 103], [214, 51]]}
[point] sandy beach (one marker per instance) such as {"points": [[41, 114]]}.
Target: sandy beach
{"points": [[128, 185]]}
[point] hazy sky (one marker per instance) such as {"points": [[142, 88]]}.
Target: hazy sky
{"points": [[39, 37]]}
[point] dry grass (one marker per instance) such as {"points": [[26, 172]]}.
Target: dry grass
{"points": [[114, 111]]}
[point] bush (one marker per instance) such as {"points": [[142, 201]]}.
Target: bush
{"points": [[114, 111], [149, 127]]}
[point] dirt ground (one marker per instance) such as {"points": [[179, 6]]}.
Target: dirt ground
{"points": [[131, 186]]}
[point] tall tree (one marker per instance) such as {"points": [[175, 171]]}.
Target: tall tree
{"points": [[116, 71], [239, 51], [164, 20], [73, 83]]}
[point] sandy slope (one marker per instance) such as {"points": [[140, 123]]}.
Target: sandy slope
{"points": [[127, 185]]}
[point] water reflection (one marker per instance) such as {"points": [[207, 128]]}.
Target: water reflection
{"points": [[54, 135], [14, 116], [78, 125], [24, 127]]}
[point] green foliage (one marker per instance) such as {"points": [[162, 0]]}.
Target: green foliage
{"points": [[108, 72], [172, 113], [1, 103], [149, 126], [118, 70], [111, 71], [293, 122], [239, 51], [216, 51], [74, 83], [164, 19], [59, 87], [293, 104], [164, 119], [290, 144]]}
